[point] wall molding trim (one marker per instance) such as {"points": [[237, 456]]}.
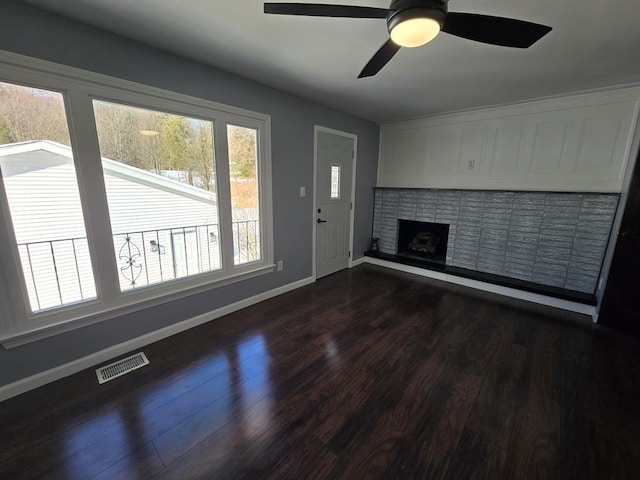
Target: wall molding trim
{"points": [[488, 287], [579, 143], [358, 261], [40, 379]]}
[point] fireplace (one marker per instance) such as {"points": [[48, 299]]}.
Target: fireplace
{"points": [[423, 240]]}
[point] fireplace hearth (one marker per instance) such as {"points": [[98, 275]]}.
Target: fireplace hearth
{"points": [[423, 240], [543, 242]]}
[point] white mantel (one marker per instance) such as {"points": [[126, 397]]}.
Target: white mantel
{"points": [[579, 143]]}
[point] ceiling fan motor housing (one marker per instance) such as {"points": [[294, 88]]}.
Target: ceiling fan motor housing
{"points": [[401, 10]]}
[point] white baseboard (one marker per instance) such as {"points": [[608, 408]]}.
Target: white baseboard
{"points": [[489, 287], [56, 373], [359, 261]]}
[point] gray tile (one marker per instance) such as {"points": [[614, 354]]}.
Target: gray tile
{"points": [[464, 240], [472, 199], [550, 238], [470, 215], [548, 280], [580, 287], [449, 196], [599, 201], [567, 199], [589, 279], [406, 213], [557, 231], [489, 266], [466, 230], [407, 204], [471, 264], [519, 273], [488, 250], [497, 216], [529, 198], [559, 276], [427, 197], [524, 260], [426, 215], [493, 238], [526, 220], [517, 241], [499, 197]]}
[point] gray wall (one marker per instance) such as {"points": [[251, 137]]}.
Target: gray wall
{"points": [[29, 31], [554, 239]]}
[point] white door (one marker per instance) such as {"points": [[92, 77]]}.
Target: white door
{"points": [[334, 170], [185, 253]]}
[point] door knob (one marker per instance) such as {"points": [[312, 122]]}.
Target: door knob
{"points": [[322, 221]]}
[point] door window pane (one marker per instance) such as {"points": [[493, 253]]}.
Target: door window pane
{"points": [[159, 174], [39, 177], [243, 173], [335, 181]]}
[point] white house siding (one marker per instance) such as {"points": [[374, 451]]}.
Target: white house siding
{"points": [[146, 213], [45, 207], [47, 218], [43, 197]]}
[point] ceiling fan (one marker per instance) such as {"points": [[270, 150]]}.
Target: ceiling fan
{"points": [[413, 23]]}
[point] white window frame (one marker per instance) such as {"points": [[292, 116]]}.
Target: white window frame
{"points": [[18, 325]]}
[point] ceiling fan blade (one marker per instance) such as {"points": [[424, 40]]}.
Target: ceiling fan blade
{"points": [[506, 32], [324, 10], [380, 59]]}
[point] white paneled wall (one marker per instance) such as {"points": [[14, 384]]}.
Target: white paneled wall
{"points": [[580, 143]]}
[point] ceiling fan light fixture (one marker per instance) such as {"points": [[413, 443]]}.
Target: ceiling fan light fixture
{"points": [[413, 23], [415, 32]]}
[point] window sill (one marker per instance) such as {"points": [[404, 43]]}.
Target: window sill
{"points": [[128, 304]]}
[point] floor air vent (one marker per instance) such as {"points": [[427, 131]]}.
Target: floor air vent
{"points": [[121, 367]]}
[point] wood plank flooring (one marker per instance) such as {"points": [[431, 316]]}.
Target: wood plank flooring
{"points": [[368, 373]]}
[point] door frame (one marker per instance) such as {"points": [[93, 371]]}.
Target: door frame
{"points": [[354, 138]]}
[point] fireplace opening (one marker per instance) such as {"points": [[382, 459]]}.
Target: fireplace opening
{"points": [[423, 240]]}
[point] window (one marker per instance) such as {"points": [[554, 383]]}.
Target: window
{"points": [[335, 181], [243, 173], [159, 174], [39, 180], [117, 196]]}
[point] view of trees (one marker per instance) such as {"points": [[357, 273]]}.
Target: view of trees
{"points": [[166, 144], [31, 114], [170, 145]]}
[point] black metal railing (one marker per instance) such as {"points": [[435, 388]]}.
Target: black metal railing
{"points": [[54, 271], [58, 272], [166, 254], [246, 241]]}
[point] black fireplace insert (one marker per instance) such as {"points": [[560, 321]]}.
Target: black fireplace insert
{"points": [[423, 240]]}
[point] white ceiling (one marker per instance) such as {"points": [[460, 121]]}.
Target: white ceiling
{"points": [[593, 44]]}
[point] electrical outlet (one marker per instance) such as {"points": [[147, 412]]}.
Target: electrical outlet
{"points": [[303, 192], [280, 265], [472, 165]]}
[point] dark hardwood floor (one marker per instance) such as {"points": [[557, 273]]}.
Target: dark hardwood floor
{"points": [[368, 373]]}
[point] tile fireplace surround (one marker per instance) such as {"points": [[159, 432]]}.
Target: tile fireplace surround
{"points": [[551, 239]]}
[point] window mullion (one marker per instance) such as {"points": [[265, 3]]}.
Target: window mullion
{"points": [[84, 139], [224, 193]]}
